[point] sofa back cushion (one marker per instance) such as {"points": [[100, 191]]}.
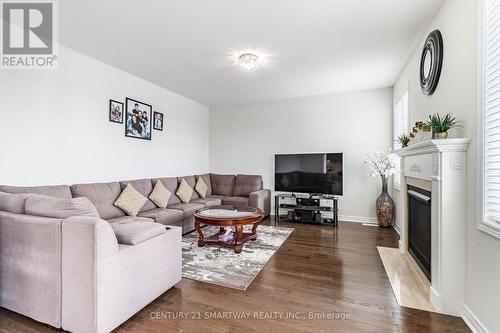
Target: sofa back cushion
{"points": [[171, 183], [144, 187], [13, 203], [58, 191], [245, 184], [222, 184], [191, 181], [42, 205], [102, 195], [206, 179]]}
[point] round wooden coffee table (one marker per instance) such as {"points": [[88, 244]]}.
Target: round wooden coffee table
{"points": [[227, 216]]}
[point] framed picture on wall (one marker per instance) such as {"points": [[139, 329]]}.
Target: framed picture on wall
{"points": [[138, 119], [158, 121], [115, 111]]}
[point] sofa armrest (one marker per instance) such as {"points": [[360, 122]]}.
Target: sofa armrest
{"points": [[261, 199], [30, 266], [89, 234], [85, 242]]}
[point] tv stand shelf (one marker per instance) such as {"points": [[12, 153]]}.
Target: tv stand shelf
{"points": [[312, 209]]}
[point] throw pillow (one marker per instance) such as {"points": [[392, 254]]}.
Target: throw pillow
{"points": [[201, 187], [160, 195], [185, 191], [130, 201]]}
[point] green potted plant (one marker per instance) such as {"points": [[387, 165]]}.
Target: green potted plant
{"points": [[441, 125], [404, 140]]}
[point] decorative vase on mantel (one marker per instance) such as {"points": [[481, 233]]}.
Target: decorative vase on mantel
{"points": [[385, 205]]}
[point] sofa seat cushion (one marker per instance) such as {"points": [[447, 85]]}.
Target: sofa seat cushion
{"points": [[245, 184], [235, 201], [208, 201], [133, 233], [222, 184], [128, 219], [187, 208], [42, 205], [164, 215]]}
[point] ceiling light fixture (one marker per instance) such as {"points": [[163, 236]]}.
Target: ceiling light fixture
{"points": [[248, 62]]}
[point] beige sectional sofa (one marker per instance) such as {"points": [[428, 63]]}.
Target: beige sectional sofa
{"points": [[71, 259]]}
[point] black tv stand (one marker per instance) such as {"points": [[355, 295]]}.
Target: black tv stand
{"points": [[312, 208]]}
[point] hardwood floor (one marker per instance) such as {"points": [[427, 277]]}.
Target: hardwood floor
{"points": [[319, 270]]}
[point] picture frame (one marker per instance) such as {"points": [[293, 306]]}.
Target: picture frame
{"points": [[138, 118], [115, 111], [158, 121]]}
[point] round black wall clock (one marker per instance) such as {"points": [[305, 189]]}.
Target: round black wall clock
{"points": [[431, 62]]}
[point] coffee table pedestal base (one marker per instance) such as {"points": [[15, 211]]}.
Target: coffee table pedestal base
{"points": [[240, 237]]}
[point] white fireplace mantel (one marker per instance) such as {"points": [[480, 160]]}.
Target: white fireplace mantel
{"points": [[440, 163]]}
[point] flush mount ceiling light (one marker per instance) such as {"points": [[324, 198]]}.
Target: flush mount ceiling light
{"points": [[248, 62]]}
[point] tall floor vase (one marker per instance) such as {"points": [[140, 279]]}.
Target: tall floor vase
{"points": [[385, 206]]}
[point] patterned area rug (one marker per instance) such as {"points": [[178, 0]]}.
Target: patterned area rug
{"points": [[221, 266]]}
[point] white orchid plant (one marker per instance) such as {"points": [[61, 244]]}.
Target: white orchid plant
{"points": [[381, 164]]}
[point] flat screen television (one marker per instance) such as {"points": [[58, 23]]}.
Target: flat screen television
{"points": [[320, 173]]}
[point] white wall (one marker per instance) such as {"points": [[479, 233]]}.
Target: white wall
{"points": [[54, 126], [456, 93], [244, 139]]}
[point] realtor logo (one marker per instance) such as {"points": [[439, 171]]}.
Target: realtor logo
{"points": [[28, 35]]}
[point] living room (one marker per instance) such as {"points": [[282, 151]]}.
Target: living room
{"points": [[264, 166]]}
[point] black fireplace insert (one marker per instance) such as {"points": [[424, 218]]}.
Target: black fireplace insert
{"points": [[419, 227]]}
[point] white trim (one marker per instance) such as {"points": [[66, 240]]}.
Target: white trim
{"points": [[434, 146], [473, 322], [488, 227], [405, 89], [396, 227], [491, 228], [405, 92], [358, 219]]}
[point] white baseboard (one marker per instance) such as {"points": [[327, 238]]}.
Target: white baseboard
{"points": [[358, 219], [435, 299], [472, 321]]}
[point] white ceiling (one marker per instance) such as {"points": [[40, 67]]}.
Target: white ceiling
{"points": [[314, 46]]}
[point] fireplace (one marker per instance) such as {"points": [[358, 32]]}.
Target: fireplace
{"points": [[419, 227], [435, 169]]}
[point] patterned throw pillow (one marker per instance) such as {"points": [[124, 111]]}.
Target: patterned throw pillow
{"points": [[160, 195], [201, 188], [185, 191], [130, 200]]}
